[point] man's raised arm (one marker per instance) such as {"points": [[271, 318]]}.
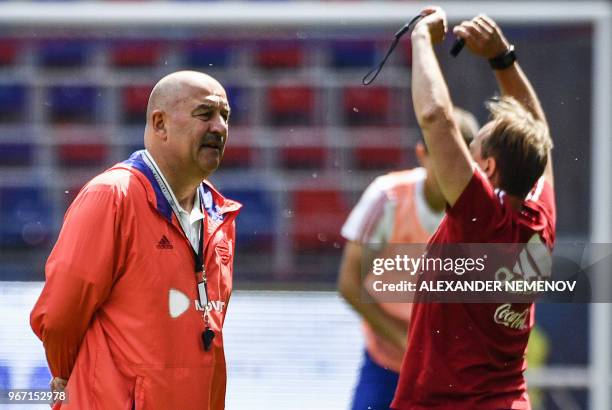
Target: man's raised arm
{"points": [[485, 39], [434, 108]]}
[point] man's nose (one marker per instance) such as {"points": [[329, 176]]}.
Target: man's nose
{"points": [[218, 125]]}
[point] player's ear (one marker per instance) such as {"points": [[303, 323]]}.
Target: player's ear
{"points": [[421, 153], [490, 167], [158, 122]]}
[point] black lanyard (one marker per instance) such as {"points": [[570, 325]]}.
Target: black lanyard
{"points": [[371, 76], [198, 255], [208, 334]]}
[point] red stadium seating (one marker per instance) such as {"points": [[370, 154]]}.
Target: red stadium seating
{"points": [[317, 219], [137, 53], [303, 157], [240, 151], [302, 148], [366, 106], [134, 100], [82, 155], [8, 51], [279, 54], [382, 149], [291, 105], [379, 158]]}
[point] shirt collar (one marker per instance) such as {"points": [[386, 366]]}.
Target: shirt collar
{"points": [[196, 212]]}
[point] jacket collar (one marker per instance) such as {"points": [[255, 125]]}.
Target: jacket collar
{"points": [[215, 204]]}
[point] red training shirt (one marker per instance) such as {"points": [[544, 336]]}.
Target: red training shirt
{"points": [[460, 355]]}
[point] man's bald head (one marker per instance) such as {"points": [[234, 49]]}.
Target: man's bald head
{"points": [[187, 124], [173, 88]]}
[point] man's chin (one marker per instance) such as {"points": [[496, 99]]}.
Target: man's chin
{"points": [[209, 166]]}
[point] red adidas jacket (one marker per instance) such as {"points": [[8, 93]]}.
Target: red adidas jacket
{"points": [[117, 315]]}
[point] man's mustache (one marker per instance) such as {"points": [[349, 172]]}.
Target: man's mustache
{"points": [[213, 139]]}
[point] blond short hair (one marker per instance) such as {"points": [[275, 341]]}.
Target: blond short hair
{"points": [[519, 143]]}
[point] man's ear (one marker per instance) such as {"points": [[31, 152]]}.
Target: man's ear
{"points": [[158, 122], [490, 167], [421, 153]]}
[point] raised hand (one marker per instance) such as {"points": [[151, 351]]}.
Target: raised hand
{"points": [[433, 23], [482, 36]]}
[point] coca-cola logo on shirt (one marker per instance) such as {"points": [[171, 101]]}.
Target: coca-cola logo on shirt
{"points": [[504, 315]]}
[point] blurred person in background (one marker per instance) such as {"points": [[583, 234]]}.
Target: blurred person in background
{"points": [[137, 285], [402, 207], [467, 355]]}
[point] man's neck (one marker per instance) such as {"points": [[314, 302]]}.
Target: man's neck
{"points": [[183, 188]]}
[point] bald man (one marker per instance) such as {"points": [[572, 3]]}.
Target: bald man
{"points": [[137, 285]]}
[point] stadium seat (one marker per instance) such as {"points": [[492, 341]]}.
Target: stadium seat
{"points": [[134, 53], [134, 101], [381, 158], [391, 152], [317, 218], [16, 154], [8, 51], [302, 148], [256, 224], [239, 103], [63, 53], [25, 217], [407, 53], [81, 155], [40, 378], [241, 151], [5, 378], [303, 157], [237, 156], [366, 106], [12, 103], [279, 54], [206, 55], [291, 105], [353, 54], [72, 104]]}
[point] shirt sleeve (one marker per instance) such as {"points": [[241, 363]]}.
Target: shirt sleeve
{"points": [[371, 220], [478, 210], [79, 275], [542, 197]]}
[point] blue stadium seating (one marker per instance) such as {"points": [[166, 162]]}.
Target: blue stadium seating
{"points": [[5, 378], [12, 103], [40, 378], [16, 154], [63, 53], [353, 54], [239, 104], [73, 103], [25, 217], [207, 55], [256, 223]]}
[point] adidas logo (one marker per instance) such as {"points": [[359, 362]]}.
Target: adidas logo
{"points": [[164, 243]]}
